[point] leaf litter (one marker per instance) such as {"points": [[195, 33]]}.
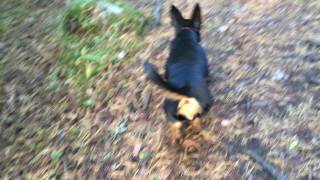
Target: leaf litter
{"points": [[258, 33]]}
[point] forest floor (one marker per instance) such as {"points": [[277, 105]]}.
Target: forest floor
{"points": [[264, 61]]}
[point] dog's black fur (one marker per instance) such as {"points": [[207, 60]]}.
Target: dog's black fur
{"points": [[187, 65]]}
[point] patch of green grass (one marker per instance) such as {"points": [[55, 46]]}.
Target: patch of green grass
{"points": [[91, 38]]}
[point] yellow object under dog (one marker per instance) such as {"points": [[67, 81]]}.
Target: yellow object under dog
{"points": [[189, 108]]}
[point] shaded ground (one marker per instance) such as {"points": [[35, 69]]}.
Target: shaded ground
{"points": [[265, 69]]}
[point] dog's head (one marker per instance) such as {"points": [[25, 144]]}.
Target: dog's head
{"points": [[189, 108], [180, 23]]}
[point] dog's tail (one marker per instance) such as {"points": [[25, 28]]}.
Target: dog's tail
{"points": [[154, 76]]}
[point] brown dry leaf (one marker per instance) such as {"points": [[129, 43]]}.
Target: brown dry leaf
{"points": [[208, 136], [189, 144]]}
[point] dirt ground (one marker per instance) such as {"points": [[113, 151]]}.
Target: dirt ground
{"points": [[265, 76]]}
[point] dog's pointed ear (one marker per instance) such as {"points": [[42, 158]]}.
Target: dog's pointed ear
{"points": [[176, 17], [196, 16]]}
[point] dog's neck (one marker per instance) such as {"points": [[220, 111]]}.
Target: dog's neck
{"points": [[188, 32], [187, 28]]}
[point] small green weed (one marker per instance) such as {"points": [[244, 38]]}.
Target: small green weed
{"points": [[56, 156], [88, 103]]}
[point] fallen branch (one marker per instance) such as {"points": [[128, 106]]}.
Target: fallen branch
{"points": [[267, 166]]}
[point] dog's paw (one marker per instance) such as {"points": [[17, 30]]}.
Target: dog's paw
{"points": [[176, 134]]}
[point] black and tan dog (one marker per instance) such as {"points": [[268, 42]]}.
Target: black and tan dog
{"points": [[186, 72]]}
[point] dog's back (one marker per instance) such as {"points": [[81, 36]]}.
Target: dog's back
{"points": [[187, 63]]}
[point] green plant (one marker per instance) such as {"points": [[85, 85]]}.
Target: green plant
{"points": [[90, 43], [56, 156]]}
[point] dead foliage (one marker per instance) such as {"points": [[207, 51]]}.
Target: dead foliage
{"points": [[264, 97]]}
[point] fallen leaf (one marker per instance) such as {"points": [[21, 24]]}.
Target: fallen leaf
{"points": [[136, 150], [89, 71], [293, 145]]}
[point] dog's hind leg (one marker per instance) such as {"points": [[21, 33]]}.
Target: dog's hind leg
{"points": [[176, 133]]}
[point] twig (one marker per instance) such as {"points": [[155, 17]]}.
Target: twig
{"points": [[267, 166], [157, 12], [313, 43], [253, 79], [146, 99]]}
